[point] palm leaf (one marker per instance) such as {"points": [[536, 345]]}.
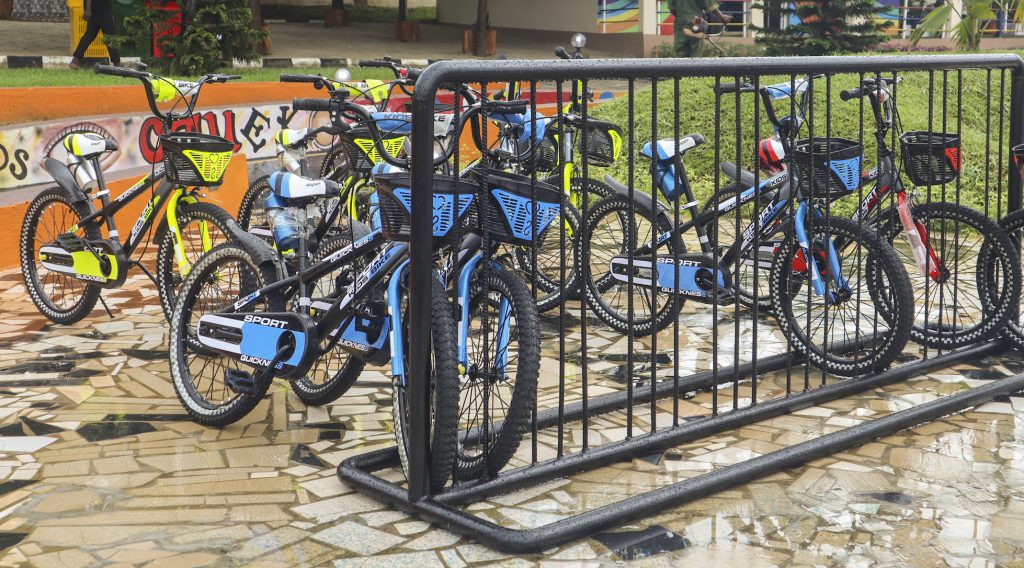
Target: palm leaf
{"points": [[932, 23]]}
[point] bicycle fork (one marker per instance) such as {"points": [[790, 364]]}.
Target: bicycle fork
{"points": [[178, 197], [810, 264]]}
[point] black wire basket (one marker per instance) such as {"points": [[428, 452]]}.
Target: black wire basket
{"points": [[545, 155], [395, 194], [195, 159], [930, 158], [603, 143], [507, 211], [827, 168]]}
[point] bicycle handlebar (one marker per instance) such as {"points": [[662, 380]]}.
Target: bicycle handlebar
{"points": [[121, 72], [725, 88], [561, 53], [374, 63], [312, 105]]}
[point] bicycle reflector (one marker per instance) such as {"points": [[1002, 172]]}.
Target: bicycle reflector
{"points": [[194, 159]]}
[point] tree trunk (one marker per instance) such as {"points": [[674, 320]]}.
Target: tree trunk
{"points": [[257, 17], [481, 27]]}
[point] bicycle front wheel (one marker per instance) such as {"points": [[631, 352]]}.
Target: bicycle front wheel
{"points": [[200, 376], [201, 226], [444, 388], [973, 282], [499, 385], [843, 331]]}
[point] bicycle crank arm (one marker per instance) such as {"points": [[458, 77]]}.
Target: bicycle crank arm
{"points": [[691, 275]]}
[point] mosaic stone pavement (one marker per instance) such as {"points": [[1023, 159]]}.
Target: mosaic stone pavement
{"points": [[99, 466]]}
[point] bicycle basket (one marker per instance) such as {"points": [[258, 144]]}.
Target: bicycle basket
{"points": [[195, 159], [930, 158], [545, 155], [1018, 159], [603, 143], [395, 194], [506, 208], [363, 151], [827, 167]]}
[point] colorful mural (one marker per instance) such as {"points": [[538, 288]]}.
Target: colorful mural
{"points": [[618, 16]]}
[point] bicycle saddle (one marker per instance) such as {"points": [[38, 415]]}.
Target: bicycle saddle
{"points": [[88, 144], [292, 186], [291, 137], [667, 147]]}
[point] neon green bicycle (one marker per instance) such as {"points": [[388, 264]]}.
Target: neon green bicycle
{"points": [[65, 260]]}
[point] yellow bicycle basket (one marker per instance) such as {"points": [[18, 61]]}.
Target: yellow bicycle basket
{"points": [[194, 159]]}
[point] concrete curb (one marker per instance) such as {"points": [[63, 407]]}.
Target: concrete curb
{"points": [[61, 61]]}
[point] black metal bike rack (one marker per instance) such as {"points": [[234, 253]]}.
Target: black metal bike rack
{"points": [[804, 385]]}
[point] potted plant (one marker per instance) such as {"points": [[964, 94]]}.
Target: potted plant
{"points": [[336, 14]]}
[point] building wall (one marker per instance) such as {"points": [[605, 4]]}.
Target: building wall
{"points": [[552, 15], [40, 10]]}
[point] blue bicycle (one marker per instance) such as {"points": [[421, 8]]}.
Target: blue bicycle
{"points": [[855, 319]]}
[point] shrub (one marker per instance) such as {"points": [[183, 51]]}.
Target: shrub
{"points": [[825, 27]]}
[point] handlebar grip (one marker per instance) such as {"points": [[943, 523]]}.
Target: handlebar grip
{"points": [[734, 87], [120, 72], [373, 63], [300, 78], [413, 73], [851, 94], [312, 105], [561, 53]]}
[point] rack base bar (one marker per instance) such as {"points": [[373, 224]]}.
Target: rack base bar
{"points": [[442, 509]]}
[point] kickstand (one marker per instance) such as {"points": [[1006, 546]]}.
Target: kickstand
{"points": [[104, 302]]}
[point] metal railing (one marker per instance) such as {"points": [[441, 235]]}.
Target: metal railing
{"points": [[730, 360]]}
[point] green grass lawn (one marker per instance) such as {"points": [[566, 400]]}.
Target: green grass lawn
{"points": [[86, 77], [978, 126]]}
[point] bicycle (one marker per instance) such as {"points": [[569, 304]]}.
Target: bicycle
{"points": [[244, 323], [656, 285], [65, 260], [348, 160]]}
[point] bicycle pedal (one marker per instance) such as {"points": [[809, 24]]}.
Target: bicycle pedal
{"points": [[72, 242], [240, 382]]}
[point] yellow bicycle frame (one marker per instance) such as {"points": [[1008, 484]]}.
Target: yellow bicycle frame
{"points": [[178, 196]]}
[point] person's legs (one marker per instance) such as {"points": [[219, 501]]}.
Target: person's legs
{"points": [[92, 29], [687, 46], [106, 24]]}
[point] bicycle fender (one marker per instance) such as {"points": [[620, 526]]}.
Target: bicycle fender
{"points": [[65, 179], [260, 251], [644, 201]]}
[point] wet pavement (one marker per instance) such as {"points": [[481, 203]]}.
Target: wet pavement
{"points": [[99, 465]]}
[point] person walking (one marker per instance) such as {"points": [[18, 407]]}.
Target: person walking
{"points": [[99, 16], [688, 41]]}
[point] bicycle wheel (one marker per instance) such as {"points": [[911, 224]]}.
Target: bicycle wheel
{"points": [[850, 336], [201, 227], [337, 164], [62, 298], [335, 370], [444, 388], [1012, 224], [960, 305], [221, 277], [750, 280], [552, 288], [252, 211], [612, 230], [499, 386]]}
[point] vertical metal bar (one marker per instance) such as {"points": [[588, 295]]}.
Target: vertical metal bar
{"points": [[988, 141], [757, 237], [736, 264], [1013, 194], [533, 243], [584, 273], [420, 254], [561, 271], [654, 251], [675, 261], [630, 334], [714, 248], [1002, 150]]}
